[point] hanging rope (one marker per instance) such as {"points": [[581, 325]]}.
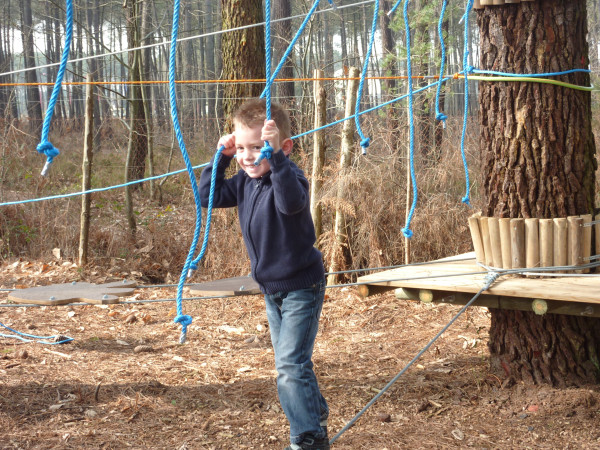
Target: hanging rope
{"points": [[438, 114], [184, 320], [292, 44], [46, 146], [364, 141], [466, 70], [267, 150], [406, 230]]}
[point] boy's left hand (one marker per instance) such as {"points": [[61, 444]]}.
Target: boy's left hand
{"points": [[270, 133]]}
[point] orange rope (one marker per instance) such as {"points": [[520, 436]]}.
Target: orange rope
{"points": [[256, 80]]}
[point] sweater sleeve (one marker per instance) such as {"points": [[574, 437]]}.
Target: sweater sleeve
{"points": [[290, 186], [225, 191]]}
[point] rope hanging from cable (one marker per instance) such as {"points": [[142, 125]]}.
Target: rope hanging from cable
{"points": [[45, 146], [365, 141]]}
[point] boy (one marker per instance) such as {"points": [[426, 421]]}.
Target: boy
{"points": [[273, 208]]}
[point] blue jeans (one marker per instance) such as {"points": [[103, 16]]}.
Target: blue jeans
{"points": [[294, 321]]}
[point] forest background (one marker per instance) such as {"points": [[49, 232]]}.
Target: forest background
{"points": [[133, 134]]}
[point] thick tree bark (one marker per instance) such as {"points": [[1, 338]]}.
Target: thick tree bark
{"points": [[243, 51], [538, 161]]}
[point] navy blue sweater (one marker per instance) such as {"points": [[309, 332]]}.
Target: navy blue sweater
{"points": [[274, 214]]}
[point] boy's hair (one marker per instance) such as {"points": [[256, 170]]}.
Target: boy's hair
{"points": [[253, 113]]}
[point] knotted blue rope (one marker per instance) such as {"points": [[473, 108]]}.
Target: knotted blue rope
{"points": [[466, 70], [182, 319], [55, 340], [438, 114], [406, 230], [364, 143], [46, 146], [267, 150], [291, 46]]}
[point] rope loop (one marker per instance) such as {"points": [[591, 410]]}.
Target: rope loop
{"points": [[407, 232], [48, 149], [365, 142], [440, 116], [183, 319], [265, 152]]}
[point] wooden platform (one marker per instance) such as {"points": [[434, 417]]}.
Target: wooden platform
{"points": [[578, 295], [226, 287]]}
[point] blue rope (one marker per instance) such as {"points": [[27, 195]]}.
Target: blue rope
{"points": [[530, 75], [46, 146], [438, 114], [211, 195], [39, 339], [291, 46], [92, 191], [406, 230], [267, 150], [182, 319], [466, 70], [364, 141]]}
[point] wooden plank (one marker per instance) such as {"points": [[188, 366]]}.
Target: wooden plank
{"points": [[494, 229], [505, 243], [517, 239], [62, 294], [226, 287], [532, 243]]}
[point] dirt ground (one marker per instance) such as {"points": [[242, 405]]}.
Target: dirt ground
{"points": [[125, 382]]}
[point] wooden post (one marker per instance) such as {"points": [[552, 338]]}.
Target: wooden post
{"points": [[339, 228], [532, 243], [487, 244], [586, 241], [505, 243], [319, 97], [88, 146], [597, 233], [575, 237], [517, 238], [476, 238], [560, 241], [494, 230], [546, 242]]}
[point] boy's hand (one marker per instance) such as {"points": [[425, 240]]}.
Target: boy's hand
{"points": [[227, 141], [270, 133]]}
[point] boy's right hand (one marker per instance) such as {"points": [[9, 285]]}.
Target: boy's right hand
{"points": [[227, 141]]}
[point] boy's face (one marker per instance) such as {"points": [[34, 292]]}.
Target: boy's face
{"points": [[248, 144]]}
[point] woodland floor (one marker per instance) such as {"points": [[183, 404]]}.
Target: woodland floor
{"points": [[218, 390]]}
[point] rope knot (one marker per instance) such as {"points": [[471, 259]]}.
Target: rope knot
{"points": [[365, 142], [466, 200], [469, 69], [407, 232], [48, 149], [441, 116], [183, 319]]}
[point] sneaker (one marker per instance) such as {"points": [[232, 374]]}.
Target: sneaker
{"points": [[309, 442]]}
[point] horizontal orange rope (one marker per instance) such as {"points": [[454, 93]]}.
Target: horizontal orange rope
{"points": [[256, 80]]}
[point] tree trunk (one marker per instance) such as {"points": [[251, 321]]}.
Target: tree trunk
{"points": [[282, 32], [539, 160], [243, 52], [138, 133]]}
